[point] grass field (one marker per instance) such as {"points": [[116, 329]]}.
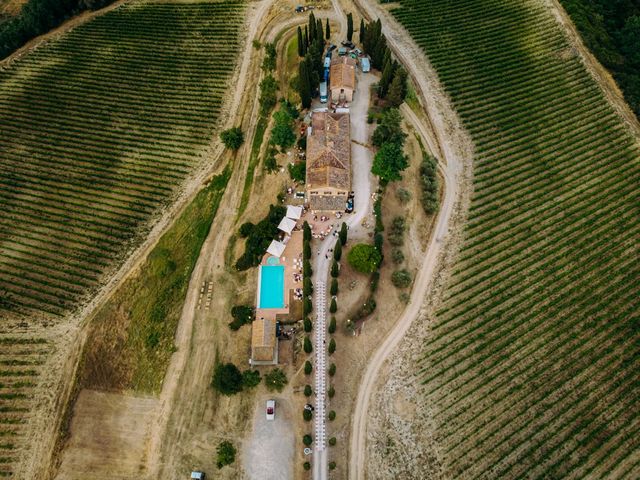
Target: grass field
{"points": [[96, 132], [531, 368]]}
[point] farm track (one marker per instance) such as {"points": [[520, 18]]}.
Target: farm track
{"points": [[529, 366]]}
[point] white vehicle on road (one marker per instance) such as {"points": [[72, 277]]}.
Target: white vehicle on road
{"points": [[271, 409]]}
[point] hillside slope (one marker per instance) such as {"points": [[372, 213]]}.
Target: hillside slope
{"points": [[530, 366]]}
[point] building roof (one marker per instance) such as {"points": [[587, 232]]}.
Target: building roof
{"points": [[276, 248], [287, 225], [263, 340], [294, 211], [329, 151], [343, 73]]}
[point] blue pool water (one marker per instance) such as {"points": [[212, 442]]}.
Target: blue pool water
{"points": [[271, 286]]}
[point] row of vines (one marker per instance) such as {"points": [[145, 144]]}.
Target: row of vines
{"points": [[531, 368]]}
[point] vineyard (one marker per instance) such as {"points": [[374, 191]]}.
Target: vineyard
{"points": [[97, 130], [531, 368]]}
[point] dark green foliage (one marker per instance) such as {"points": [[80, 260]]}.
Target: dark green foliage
{"points": [[227, 379], [307, 271], [397, 256], [301, 49], [337, 251], [333, 308], [268, 94], [275, 380], [332, 465], [327, 30], [611, 30], [260, 237], [282, 133], [386, 78], [332, 369], [403, 195], [306, 233], [343, 234], [308, 367], [364, 258], [306, 465], [307, 306], [398, 89], [307, 288], [307, 346], [242, 314], [377, 213], [396, 232], [349, 26], [269, 62], [332, 325], [270, 162], [251, 378], [332, 417], [319, 31], [226, 454], [312, 27], [429, 183], [362, 30], [334, 286], [335, 269], [401, 278], [308, 326], [233, 138], [366, 309], [298, 171], [332, 346], [331, 392], [307, 440], [389, 129], [306, 250], [375, 280], [389, 162], [304, 85], [246, 229], [308, 391], [307, 415]]}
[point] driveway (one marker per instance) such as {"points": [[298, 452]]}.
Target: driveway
{"points": [[268, 454]]}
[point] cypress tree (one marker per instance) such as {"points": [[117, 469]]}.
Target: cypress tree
{"points": [[397, 90], [304, 85], [337, 251], [300, 43], [343, 234], [306, 40], [312, 27], [385, 79], [379, 51], [327, 30], [363, 31], [320, 32], [349, 27]]}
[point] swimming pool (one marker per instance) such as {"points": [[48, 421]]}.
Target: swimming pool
{"points": [[271, 287]]}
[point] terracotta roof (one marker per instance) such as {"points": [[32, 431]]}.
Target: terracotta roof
{"points": [[263, 339], [329, 151], [343, 73]]}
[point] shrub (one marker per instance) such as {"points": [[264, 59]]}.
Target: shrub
{"points": [[332, 325], [375, 280], [275, 380], [227, 379], [335, 269], [389, 162], [337, 251], [233, 138], [333, 308], [397, 256], [268, 94], [401, 278], [403, 195], [246, 229], [226, 454], [282, 133], [298, 171], [306, 250], [307, 306], [366, 309], [308, 368], [270, 162], [306, 234], [333, 441], [332, 465], [343, 234], [331, 392], [378, 242], [308, 391], [333, 290], [332, 346], [307, 286], [307, 271], [308, 348], [251, 378], [364, 258], [308, 326], [307, 440], [332, 415], [429, 183], [242, 314], [306, 466], [307, 415], [332, 369]]}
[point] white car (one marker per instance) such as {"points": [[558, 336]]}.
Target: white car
{"points": [[271, 409]]}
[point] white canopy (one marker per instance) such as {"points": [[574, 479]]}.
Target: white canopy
{"points": [[276, 248], [294, 212], [287, 224]]}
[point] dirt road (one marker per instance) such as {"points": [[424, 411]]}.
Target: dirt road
{"points": [[455, 159]]}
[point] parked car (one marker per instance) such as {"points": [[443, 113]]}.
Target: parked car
{"points": [[348, 44], [332, 47], [197, 475], [349, 207], [271, 409]]}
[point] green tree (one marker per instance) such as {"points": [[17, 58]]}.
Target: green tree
{"points": [[337, 251], [389, 130], [332, 369], [226, 454], [306, 250], [269, 62], [306, 466], [233, 138], [298, 171], [282, 133], [363, 30], [306, 232], [307, 415], [270, 162], [251, 378], [349, 26], [308, 391], [305, 84], [307, 271], [307, 288], [364, 258], [332, 442], [320, 32], [334, 286], [331, 392], [332, 415], [401, 278], [327, 30], [312, 27], [630, 39], [386, 78], [308, 326], [343, 234], [307, 347], [335, 269], [398, 88], [308, 367], [332, 465], [389, 162], [307, 440], [301, 51], [307, 306], [397, 256], [403, 195], [333, 308], [275, 380], [227, 379], [332, 346], [268, 94], [332, 325]]}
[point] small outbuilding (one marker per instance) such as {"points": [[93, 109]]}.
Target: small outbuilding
{"points": [[342, 79]]}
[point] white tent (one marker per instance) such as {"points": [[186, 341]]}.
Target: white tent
{"points": [[276, 248], [287, 225], [294, 212]]}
